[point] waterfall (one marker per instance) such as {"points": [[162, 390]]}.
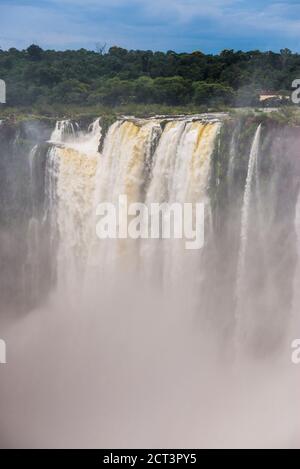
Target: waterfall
{"points": [[64, 130], [32, 261], [149, 161], [70, 172], [123, 169], [143, 330], [245, 220], [232, 158], [159, 160], [33, 279], [180, 174]]}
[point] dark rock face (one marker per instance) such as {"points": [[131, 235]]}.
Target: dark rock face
{"points": [[16, 142]]}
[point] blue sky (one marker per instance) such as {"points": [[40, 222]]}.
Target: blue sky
{"points": [[180, 25]]}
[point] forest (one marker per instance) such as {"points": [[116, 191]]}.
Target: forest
{"points": [[44, 79]]}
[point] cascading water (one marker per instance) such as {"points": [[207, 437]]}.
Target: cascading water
{"points": [[152, 161], [122, 170], [136, 330], [233, 153], [70, 172], [64, 130], [177, 171], [245, 220], [181, 171]]}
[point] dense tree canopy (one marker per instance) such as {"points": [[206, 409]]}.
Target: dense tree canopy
{"points": [[37, 76]]}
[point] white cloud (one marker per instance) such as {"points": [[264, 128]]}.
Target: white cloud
{"points": [[163, 23], [278, 17]]}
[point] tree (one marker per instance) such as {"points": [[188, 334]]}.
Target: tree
{"points": [[118, 52], [212, 93], [144, 88], [171, 91], [136, 76], [35, 52]]}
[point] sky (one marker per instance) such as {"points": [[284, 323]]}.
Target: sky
{"points": [[180, 25]]}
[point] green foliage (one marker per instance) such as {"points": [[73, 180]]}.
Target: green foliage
{"points": [[35, 52], [120, 77], [212, 93], [171, 91]]}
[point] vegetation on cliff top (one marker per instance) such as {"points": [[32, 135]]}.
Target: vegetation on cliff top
{"points": [[47, 81]]}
